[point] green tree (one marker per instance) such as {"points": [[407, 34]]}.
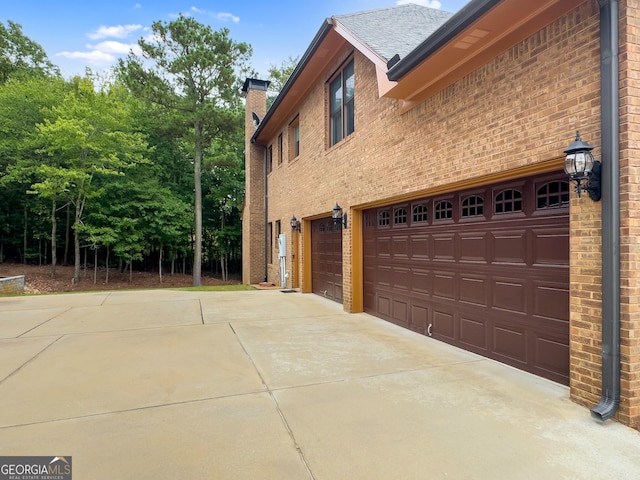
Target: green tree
{"points": [[22, 102], [224, 172], [21, 56], [278, 76], [194, 71], [87, 135]]}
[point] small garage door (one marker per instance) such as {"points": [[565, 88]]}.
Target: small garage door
{"points": [[326, 259], [486, 270]]}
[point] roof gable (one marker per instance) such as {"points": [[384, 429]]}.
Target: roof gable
{"points": [[394, 30]]}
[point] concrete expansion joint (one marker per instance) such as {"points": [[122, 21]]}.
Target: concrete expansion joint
{"points": [[45, 321], [283, 419], [125, 410], [201, 311], [106, 297], [31, 359]]}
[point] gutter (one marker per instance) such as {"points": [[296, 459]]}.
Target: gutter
{"points": [[443, 35], [610, 131]]}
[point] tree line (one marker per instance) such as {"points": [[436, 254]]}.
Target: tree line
{"points": [[144, 165]]}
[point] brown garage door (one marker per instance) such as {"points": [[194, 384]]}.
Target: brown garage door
{"points": [[326, 259], [486, 270]]}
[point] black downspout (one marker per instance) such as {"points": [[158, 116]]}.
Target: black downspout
{"points": [[610, 131], [266, 216]]}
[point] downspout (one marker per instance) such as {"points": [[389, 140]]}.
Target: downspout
{"points": [[610, 131], [266, 216]]}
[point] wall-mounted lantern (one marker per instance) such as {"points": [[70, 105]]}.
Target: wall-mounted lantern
{"points": [[295, 224], [583, 169], [338, 218]]}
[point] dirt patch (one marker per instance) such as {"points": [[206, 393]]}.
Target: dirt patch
{"points": [[37, 279]]}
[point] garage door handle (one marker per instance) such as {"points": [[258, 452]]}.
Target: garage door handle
{"points": [[429, 329]]}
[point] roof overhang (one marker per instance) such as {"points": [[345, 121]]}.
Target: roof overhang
{"points": [[482, 30], [324, 47]]}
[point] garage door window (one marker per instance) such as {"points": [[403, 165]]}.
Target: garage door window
{"points": [[508, 201], [553, 195], [473, 206], [400, 216], [383, 219], [420, 214], [444, 210]]}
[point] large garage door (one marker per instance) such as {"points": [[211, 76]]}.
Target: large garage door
{"points": [[326, 259], [486, 270]]}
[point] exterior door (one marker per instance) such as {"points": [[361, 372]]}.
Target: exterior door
{"points": [[326, 259]]}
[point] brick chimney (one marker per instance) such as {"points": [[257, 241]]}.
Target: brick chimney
{"points": [[253, 213]]}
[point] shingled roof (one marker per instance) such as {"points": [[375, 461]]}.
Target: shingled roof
{"points": [[394, 30]]}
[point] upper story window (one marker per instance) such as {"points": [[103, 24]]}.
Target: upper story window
{"points": [[280, 147], [341, 104], [270, 159], [294, 138]]}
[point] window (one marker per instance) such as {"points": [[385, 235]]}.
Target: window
{"points": [[472, 206], [400, 216], [383, 218], [280, 152], [419, 213], [270, 159], [508, 201], [443, 210], [341, 104], [270, 236], [553, 195], [294, 138]]}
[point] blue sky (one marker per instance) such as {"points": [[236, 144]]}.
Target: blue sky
{"points": [[94, 33]]}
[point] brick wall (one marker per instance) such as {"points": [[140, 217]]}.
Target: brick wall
{"points": [[630, 211], [520, 109]]}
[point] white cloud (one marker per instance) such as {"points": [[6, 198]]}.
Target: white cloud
{"points": [[116, 31], [102, 54], [227, 16], [424, 3], [223, 16], [94, 57], [112, 46]]}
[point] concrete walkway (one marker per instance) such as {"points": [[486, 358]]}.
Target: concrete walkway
{"points": [[273, 385]]}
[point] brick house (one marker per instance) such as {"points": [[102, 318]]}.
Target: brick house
{"points": [[441, 138]]}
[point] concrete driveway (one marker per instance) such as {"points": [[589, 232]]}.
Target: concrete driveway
{"points": [[273, 385]]}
